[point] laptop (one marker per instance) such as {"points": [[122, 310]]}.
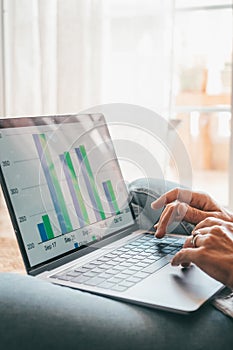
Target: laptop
{"points": [[74, 222]]}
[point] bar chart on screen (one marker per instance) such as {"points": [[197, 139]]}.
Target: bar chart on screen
{"points": [[65, 185], [82, 206]]}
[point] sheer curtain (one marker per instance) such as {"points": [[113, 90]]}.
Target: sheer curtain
{"points": [[63, 56], [48, 50], [138, 52]]}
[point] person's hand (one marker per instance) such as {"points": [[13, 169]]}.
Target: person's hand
{"points": [[211, 250], [181, 204]]}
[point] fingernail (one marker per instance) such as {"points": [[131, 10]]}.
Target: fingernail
{"points": [[173, 263]]}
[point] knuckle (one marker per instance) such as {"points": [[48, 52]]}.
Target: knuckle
{"points": [[206, 196], [223, 232], [208, 241], [229, 226], [182, 206], [209, 221], [176, 192], [195, 214], [171, 206], [216, 230]]}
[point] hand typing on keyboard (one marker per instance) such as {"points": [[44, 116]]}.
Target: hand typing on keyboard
{"points": [[193, 207], [211, 247]]}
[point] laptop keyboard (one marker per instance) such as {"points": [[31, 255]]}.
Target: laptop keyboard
{"points": [[127, 265]]}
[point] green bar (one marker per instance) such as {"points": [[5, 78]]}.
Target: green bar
{"points": [[56, 183], [92, 181], [76, 187], [113, 197], [48, 227]]}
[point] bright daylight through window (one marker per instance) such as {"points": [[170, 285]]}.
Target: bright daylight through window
{"points": [[202, 64], [173, 57]]}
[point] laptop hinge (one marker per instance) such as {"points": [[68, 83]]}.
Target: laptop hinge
{"points": [[83, 251]]}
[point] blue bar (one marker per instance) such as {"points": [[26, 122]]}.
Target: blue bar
{"points": [[50, 184], [72, 191], [108, 196], [76, 245], [88, 184], [42, 231]]}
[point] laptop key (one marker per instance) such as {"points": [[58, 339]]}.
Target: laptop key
{"points": [[98, 270], [142, 264], [135, 268], [94, 281], [115, 280], [105, 275], [63, 277], [122, 276], [126, 284], [152, 250], [112, 271], [118, 259], [89, 266], [128, 272], [103, 259], [140, 257], [133, 261], [81, 269], [80, 279], [157, 265], [142, 274], [128, 246], [118, 288], [135, 279], [119, 267], [110, 263], [73, 273], [139, 250], [132, 253], [167, 250], [148, 261], [90, 274], [135, 243], [123, 250], [126, 264], [110, 255], [154, 257], [126, 256], [96, 263], [176, 245], [106, 285]]}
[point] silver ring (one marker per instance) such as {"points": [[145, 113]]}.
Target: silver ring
{"points": [[194, 239]]}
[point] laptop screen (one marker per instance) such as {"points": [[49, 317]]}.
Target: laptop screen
{"points": [[63, 183]]}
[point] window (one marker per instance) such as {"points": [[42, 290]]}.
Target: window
{"points": [[202, 63], [173, 56]]}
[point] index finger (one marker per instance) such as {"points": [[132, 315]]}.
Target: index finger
{"points": [[197, 200], [176, 194]]}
